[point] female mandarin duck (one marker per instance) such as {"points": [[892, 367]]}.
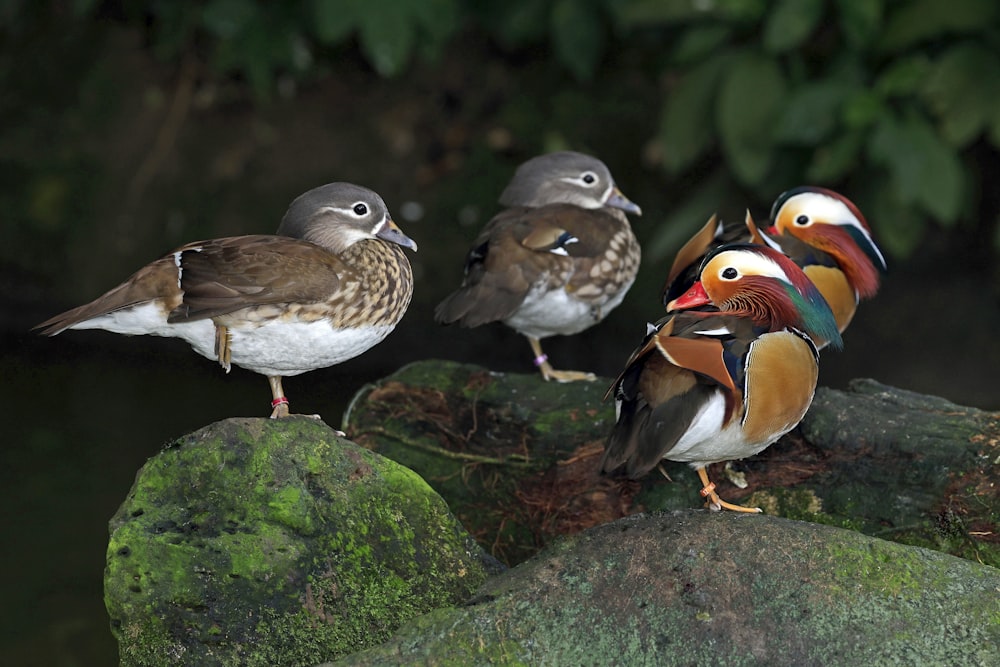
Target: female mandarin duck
{"points": [[557, 260], [729, 372], [332, 283], [822, 231]]}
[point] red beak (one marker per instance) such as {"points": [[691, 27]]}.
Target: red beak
{"points": [[694, 297]]}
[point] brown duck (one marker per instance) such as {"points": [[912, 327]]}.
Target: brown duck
{"points": [[332, 283], [556, 260]]}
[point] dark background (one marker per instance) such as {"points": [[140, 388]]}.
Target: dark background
{"points": [[130, 128]]}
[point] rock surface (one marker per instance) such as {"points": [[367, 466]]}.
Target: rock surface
{"points": [[263, 542], [516, 459], [701, 588], [260, 542]]}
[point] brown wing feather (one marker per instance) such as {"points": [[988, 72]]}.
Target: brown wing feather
{"points": [[511, 256], [229, 274], [157, 280]]}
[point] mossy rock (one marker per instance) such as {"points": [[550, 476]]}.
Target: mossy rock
{"points": [[275, 542], [696, 587], [489, 443], [517, 460]]}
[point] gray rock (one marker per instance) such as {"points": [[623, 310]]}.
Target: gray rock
{"points": [[703, 588]]}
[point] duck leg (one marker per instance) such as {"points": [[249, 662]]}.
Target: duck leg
{"points": [[714, 501], [549, 373], [279, 404], [223, 342]]}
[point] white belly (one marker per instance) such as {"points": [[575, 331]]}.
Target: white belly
{"points": [[273, 348], [706, 441], [545, 314]]}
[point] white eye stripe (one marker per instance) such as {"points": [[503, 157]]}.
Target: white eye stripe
{"points": [[582, 182], [752, 263], [817, 206], [349, 210]]}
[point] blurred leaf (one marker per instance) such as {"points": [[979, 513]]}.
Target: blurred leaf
{"points": [[699, 42], [744, 11], [789, 23], [334, 21], [515, 23], [227, 18], [913, 22], [577, 36], [861, 21], [903, 76], [963, 91], [438, 20], [863, 108], [638, 14], [835, 159], [810, 113], [686, 128], [750, 98], [263, 46], [924, 170], [387, 36]]}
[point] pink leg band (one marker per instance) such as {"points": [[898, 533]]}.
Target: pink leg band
{"points": [[541, 359]]}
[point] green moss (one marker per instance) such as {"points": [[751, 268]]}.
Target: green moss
{"points": [[800, 504], [292, 506], [254, 528], [882, 568]]}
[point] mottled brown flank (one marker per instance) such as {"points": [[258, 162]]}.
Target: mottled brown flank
{"points": [[601, 277], [375, 288]]}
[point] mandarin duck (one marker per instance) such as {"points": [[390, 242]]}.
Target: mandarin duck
{"points": [[332, 282], [821, 230], [556, 260], [728, 372]]}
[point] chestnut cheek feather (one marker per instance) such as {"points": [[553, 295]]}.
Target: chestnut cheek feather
{"points": [[851, 258]]}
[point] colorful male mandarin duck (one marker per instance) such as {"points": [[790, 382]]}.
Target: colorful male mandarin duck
{"points": [[731, 370], [332, 283], [556, 260], [822, 231]]}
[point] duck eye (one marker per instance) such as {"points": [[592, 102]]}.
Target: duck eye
{"points": [[729, 273], [802, 220], [360, 209], [589, 177]]}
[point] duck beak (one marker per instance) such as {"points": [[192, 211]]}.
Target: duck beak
{"points": [[694, 297], [617, 200], [391, 232]]}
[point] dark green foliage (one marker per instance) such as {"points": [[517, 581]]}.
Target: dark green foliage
{"points": [[882, 99], [887, 100]]}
